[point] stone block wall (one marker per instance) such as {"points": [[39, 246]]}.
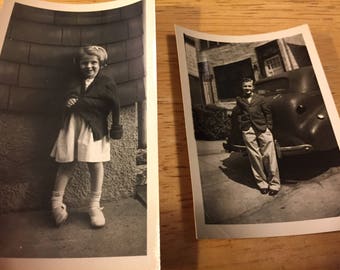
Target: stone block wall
{"points": [[230, 53], [36, 61]]}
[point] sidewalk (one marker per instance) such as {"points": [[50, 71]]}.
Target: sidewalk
{"points": [[33, 234], [310, 188]]}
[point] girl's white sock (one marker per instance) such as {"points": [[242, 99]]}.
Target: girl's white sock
{"points": [[95, 199], [57, 198]]}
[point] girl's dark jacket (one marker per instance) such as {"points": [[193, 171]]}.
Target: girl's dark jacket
{"points": [[94, 106]]}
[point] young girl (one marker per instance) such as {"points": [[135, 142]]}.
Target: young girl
{"points": [[84, 136]]}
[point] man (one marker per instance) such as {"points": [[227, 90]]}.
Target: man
{"points": [[255, 121]]}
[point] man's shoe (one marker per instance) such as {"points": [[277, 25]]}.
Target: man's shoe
{"points": [[264, 190], [273, 192]]}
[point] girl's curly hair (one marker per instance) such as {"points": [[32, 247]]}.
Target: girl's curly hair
{"points": [[98, 51]]}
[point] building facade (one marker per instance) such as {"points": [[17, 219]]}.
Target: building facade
{"points": [[216, 69], [35, 62]]}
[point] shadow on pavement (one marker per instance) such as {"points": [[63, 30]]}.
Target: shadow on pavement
{"points": [[33, 234], [237, 168], [292, 169], [306, 167]]}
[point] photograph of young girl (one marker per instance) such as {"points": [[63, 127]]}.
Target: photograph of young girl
{"points": [[76, 104], [84, 136]]}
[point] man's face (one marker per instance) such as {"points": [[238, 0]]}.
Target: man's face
{"points": [[247, 87]]}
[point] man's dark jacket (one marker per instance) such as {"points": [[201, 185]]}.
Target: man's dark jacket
{"points": [[95, 104], [256, 113]]}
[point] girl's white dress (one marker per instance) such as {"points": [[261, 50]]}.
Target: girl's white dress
{"points": [[75, 142]]}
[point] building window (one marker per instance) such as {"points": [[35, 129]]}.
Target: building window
{"points": [[270, 59], [273, 65]]}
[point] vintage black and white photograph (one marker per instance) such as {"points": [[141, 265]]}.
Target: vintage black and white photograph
{"points": [[78, 95], [261, 128]]}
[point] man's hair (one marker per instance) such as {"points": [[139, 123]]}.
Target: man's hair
{"points": [[246, 79]]}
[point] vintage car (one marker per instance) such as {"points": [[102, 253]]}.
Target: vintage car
{"points": [[300, 120]]}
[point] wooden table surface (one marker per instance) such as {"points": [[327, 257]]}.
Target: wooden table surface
{"points": [[179, 248]]}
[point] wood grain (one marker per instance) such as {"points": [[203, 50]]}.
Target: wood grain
{"points": [[179, 248]]}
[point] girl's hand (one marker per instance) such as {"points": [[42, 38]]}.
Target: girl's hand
{"points": [[71, 102]]}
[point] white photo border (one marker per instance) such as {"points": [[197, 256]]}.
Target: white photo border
{"points": [[152, 259], [250, 230]]}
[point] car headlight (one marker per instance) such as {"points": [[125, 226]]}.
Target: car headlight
{"points": [[320, 116]]}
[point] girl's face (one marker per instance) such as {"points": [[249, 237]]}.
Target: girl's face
{"points": [[89, 66]]}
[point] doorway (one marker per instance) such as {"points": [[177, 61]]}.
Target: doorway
{"points": [[228, 78]]}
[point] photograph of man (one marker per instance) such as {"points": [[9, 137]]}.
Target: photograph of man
{"points": [[254, 118]]}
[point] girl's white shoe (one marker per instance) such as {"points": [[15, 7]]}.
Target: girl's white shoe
{"points": [[60, 214], [97, 217]]}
